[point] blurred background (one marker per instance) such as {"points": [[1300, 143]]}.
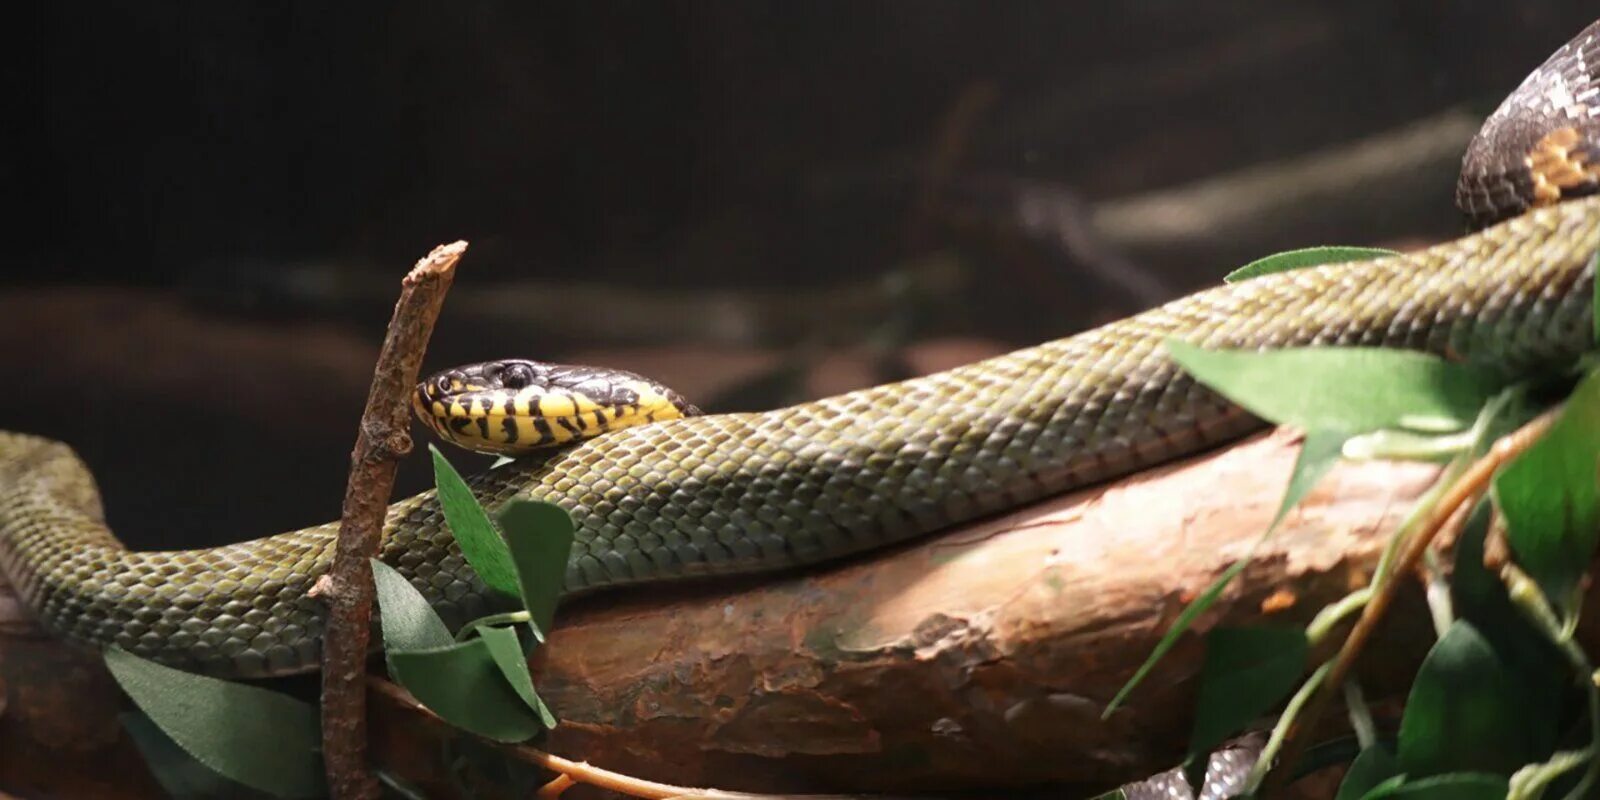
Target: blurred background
{"points": [[756, 203]]}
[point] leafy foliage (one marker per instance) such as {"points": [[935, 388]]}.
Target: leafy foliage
{"points": [[481, 544], [246, 734], [1550, 497], [180, 775], [206, 737], [1455, 786], [1466, 712], [540, 536], [1498, 692], [481, 684], [1353, 389], [1247, 671], [1373, 767], [463, 684]]}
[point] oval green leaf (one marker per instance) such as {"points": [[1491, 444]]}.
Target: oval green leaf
{"points": [[409, 623], [1372, 767], [179, 773], [262, 739], [1319, 451], [464, 685], [540, 537], [1455, 786], [480, 543], [1550, 496], [1247, 671], [1307, 257], [1352, 389], [506, 650], [1466, 712]]}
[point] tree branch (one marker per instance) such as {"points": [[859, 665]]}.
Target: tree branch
{"points": [[383, 438]]}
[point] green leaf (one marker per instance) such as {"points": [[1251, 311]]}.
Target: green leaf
{"points": [[1318, 453], [1455, 786], [1534, 663], [540, 536], [506, 650], [180, 775], [409, 623], [480, 543], [1594, 307], [261, 739], [464, 685], [1465, 711], [1550, 500], [1372, 767], [1185, 618], [1354, 389], [1308, 257], [1247, 671], [1475, 591]]}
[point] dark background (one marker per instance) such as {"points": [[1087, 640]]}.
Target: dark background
{"points": [[755, 202]]}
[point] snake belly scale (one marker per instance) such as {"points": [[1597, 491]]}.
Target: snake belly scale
{"points": [[748, 493]]}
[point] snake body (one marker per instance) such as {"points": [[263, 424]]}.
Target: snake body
{"points": [[750, 493]]}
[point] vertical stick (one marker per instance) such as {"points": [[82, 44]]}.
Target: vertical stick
{"points": [[383, 439]]}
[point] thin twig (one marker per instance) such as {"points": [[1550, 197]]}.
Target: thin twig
{"points": [[1463, 492], [383, 438]]}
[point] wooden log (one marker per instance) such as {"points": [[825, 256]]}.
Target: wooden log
{"points": [[982, 657]]}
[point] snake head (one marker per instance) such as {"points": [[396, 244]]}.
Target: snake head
{"points": [[514, 406]]}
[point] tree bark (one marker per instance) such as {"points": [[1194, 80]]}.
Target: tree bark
{"points": [[981, 657]]}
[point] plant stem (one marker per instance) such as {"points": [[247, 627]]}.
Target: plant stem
{"points": [[508, 618], [1462, 492]]}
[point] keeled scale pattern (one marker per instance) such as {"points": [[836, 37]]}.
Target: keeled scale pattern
{"points": [[752, 492]]}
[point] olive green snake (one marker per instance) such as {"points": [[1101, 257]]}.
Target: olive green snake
{"points": [[726, 494]]}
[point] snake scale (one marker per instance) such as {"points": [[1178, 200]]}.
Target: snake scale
{"points": [[747, 493]]}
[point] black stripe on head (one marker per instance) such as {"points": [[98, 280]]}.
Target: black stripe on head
{"points": [[509, 425], [483, 427], [459, 424], [542, 425]]}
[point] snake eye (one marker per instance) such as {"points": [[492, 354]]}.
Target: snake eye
{"points": [[516, 376], [442, 383]]}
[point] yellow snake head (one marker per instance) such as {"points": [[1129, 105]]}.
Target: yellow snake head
{"points": [[515, 406]]}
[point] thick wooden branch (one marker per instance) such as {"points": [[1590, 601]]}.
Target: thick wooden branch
{"points": [[983, 657]]}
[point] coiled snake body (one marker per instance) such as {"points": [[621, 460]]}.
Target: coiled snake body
{"points": [[746, 493]]}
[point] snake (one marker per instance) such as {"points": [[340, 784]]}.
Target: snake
{"points": [[666, 493]]}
